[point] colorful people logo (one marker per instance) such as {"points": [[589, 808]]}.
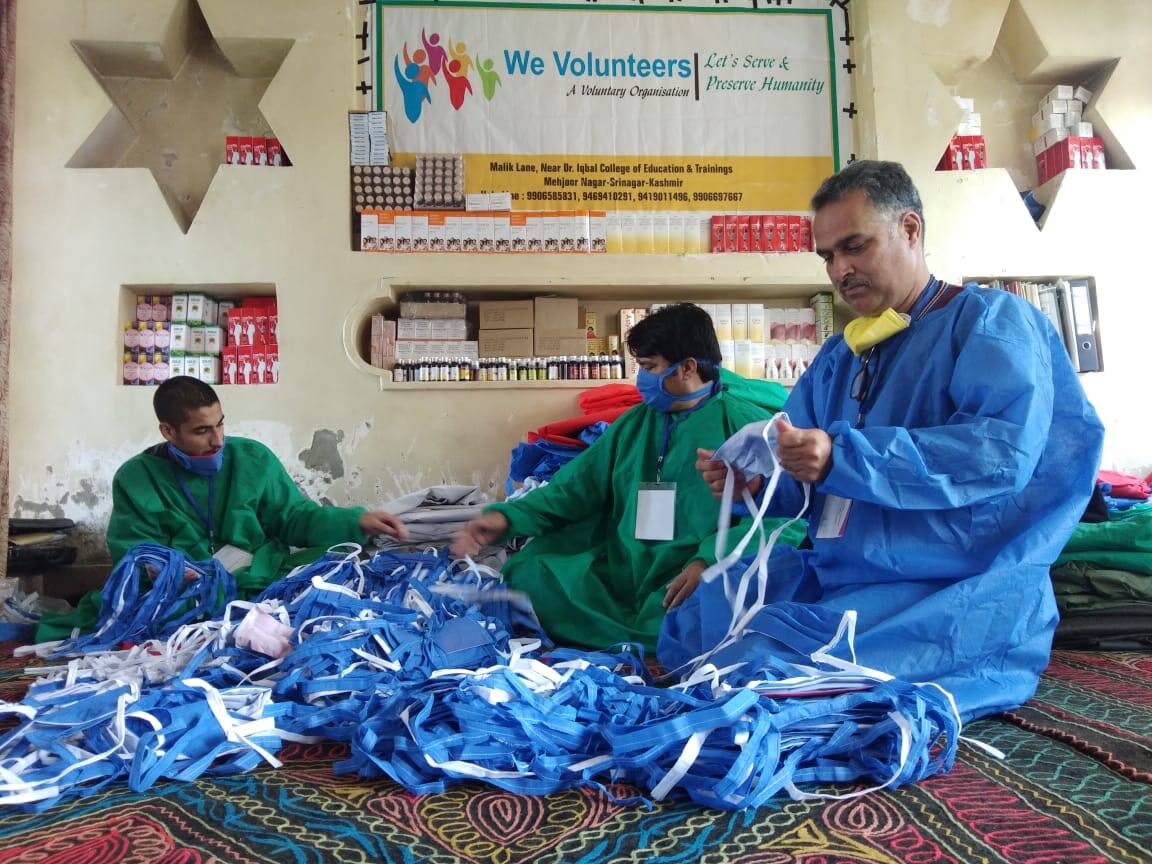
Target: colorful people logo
{"points": [[419, 72], [414, 90], [489, 78]]}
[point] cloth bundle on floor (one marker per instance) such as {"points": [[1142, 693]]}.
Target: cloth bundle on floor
{"points": [[429, 690]]}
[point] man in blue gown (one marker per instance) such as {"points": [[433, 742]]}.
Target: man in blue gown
{"points": [[951, 451]]}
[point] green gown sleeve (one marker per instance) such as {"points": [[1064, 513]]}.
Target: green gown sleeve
{"points": [[129, 524], [577, 491], [294, 519]]}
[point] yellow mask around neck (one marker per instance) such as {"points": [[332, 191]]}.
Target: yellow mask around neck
{"points": [[863, 333]]}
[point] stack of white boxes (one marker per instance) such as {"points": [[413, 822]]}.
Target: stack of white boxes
{"points": [[1061, 139], [174, 335]]}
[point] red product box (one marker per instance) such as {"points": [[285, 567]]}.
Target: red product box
{"points": [[245, 150], [805, 234], [755, 234], [259, 151], [247, 329], [235, 326], [974, 154], [793, 234], [955, 154], [275, 154], [260, 338], [228, 365], [232, 150], [1042, 175], [743, 234], [244, 368], [273, 326], [717, 234], [259, 365], [769, 234], [272, 372], [1098, 161], [731, 234]]}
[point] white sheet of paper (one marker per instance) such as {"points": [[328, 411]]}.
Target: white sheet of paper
{"points": [[834, 518], [233, 557], [656, 511]]}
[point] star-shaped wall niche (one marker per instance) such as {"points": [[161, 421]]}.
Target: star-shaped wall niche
{"points": [[174, 101], [1027, 58]]}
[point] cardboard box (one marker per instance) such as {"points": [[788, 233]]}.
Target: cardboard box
{"points": [[209, 369], [195, 340], [197, 305], [272, 374], [518, 228], [509, 342], [555, 313], [507, 315], [560, 343], [1060, 91], [244, 369]]}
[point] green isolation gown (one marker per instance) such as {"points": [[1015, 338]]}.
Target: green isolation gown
{"points": [[257, 507], [591, 582]]}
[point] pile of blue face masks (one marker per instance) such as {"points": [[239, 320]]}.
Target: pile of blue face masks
{"points": [[392, 655]]}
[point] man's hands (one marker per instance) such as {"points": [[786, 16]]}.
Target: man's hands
{"points": [[480, 532], [806, 454], [378, 522], [681, 588], [714, 473]]}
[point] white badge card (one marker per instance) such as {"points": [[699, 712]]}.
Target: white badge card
{"points": [[656, 511], [834, 518]]}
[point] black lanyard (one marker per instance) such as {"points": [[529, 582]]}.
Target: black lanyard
{"points": [[206, 518]]}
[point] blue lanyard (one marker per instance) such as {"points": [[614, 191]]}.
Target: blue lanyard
{"points": [[205, 517], [669, 423]]}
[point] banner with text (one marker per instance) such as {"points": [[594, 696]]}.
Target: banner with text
{"points": [[620, 107]]}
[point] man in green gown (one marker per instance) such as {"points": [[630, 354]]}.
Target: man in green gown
{"points": [[209, 496], [592, 580]]}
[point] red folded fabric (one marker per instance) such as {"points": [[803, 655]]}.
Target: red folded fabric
{"points": [[1126, 485], [609, 396], [565, 431]]}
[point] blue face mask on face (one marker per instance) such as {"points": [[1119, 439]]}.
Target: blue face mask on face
{"points": [[203, 466], [651, 387]]}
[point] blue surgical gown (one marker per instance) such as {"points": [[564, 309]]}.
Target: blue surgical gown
{"points": [[974, 461]]}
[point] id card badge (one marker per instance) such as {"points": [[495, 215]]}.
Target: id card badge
{"points": [[834, 518], [656, 511]]}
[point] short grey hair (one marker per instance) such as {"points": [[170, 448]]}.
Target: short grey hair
{"points": [[886, 184]]}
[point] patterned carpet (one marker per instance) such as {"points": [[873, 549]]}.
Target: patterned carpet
{"points": [[1072, 790]]}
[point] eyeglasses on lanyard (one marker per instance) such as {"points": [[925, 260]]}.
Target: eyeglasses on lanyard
{"points": [[862, 382]]}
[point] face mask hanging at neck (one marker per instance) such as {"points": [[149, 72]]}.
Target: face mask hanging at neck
{"points": [[651, 387], [202, 466], [863, 333]]}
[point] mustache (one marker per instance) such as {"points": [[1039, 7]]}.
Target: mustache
{"points": [[849, 284]]}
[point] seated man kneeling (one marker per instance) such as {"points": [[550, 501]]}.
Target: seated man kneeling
{"points": [[593, 573], [207, 496]]}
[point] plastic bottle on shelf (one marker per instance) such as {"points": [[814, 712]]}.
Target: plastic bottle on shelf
{"points": [[594, 367], [398, 372], [605, 367]]}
